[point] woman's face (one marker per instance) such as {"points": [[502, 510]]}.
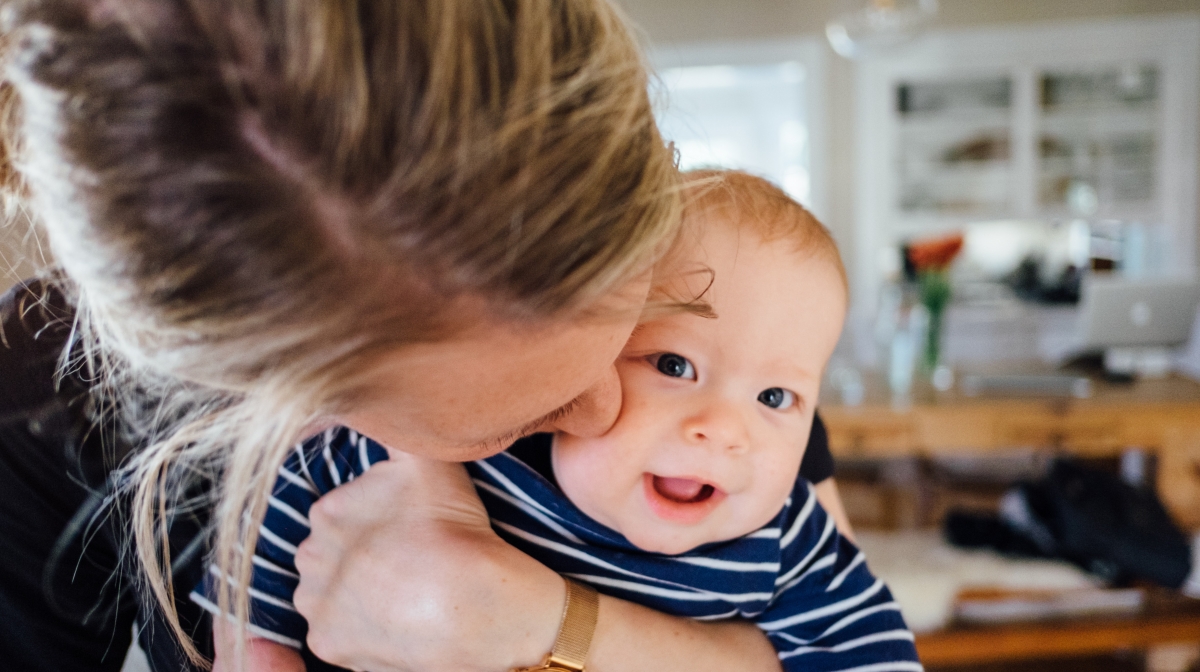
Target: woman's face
{"points": [[472, 395]]}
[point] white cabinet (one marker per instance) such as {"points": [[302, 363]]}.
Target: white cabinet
{"points": [[1029, 122]]}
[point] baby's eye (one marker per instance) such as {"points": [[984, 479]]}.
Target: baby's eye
{"points": [[777, 397], [675, 366]]}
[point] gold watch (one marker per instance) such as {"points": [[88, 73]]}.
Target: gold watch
{"points": [[575, 634]]}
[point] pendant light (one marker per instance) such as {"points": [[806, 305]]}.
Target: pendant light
{"points": [[879, 27]]}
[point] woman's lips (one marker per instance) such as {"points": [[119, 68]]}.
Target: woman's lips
{"points": [[680, 500]]}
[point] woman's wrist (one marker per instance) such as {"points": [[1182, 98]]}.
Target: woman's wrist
{"points": [[632, 637], [532, 597]]}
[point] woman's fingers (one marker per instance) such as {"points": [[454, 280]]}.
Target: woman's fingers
{"points": [[403, 572]]}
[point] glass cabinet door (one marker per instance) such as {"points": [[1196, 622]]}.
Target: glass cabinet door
{"points": [[1098, 140], [954, 146]]}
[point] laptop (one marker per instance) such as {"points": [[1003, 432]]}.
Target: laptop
{"points": [[1116, 312]]}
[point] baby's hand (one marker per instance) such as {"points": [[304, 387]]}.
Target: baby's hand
{"points": [[262, 655]]}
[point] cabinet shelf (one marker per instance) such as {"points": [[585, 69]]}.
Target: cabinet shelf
{"points": [[1005, 123]]}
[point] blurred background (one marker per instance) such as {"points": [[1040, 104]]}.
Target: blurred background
{"points": [[1013, 186]]}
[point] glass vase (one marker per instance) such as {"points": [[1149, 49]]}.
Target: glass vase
{"points": [[935, 295]]}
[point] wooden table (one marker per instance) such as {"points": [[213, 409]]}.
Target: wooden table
{"points": [[1164, 621], [1161, 416]]}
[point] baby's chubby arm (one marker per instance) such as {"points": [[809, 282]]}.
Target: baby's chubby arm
{"points": [[262, 655]]}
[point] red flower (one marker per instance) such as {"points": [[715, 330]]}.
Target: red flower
{"points": [[935, 254]]}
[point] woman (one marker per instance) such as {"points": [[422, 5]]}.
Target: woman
{"points": [[430, 221]]}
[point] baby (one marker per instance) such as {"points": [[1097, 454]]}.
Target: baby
{"points": [[691, 504]]}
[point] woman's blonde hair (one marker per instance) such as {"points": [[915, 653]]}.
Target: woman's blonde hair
{"points": [[249, 202]]}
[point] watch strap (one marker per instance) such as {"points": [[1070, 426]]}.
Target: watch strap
{"points": [[580, 612]]}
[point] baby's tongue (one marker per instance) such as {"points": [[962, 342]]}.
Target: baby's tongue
{"points": [[678, 489]]}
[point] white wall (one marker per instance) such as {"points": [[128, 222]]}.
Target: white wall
{"points": [[685, 21], [666, 22], [691, 20]]}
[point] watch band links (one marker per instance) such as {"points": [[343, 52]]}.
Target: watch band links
{"points": [[578, 625], [570, 650]]}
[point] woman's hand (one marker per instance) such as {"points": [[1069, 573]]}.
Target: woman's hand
{"points": [[402, 572]]}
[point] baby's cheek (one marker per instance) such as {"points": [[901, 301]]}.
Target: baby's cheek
{"points": [[587, 473], [776, 480]]}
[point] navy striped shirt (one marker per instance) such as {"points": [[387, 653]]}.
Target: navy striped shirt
{"points": [[802, 583]]}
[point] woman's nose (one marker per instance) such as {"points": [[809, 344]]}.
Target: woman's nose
{"points": [[595, 410], [719, 424]]}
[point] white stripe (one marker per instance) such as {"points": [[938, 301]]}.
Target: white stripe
{"points": [[512, 487], [801, 518], [827, 610], [717, 617], [254, 593], [288, 511], [297, 481], [532, 512], [304, 466], [363, 462], [840, 578], [730, 565], [271, 599], [873, 638], [765, 533], [800, 566], [857, 616], [899, 666], [276, 539], [823, 563], [580, 555], [852, 618], [260, 561], [665, 592], [333, 472], [255, 630]]}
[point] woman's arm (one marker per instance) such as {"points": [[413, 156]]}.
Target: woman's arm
{"points": [[831, 501], [632, 637], [403, 572], [817, 467]]}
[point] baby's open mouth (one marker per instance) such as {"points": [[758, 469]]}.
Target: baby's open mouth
{"points": [[684, 501], [683, 490]]}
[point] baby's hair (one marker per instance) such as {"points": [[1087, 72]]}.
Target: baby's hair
{"points": [[748, 201], [755, 202]]}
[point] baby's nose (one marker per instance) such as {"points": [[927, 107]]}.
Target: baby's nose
{"points": [[719, 425]]}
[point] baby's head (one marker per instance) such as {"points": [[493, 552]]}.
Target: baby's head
{"points": [[718, 404]]}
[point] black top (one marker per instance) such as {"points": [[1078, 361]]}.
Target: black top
{"points": [[817, 464], [65, 597]]}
